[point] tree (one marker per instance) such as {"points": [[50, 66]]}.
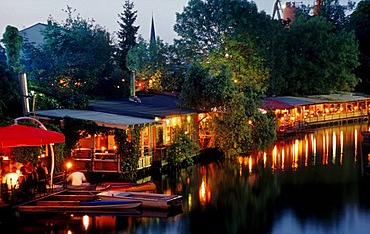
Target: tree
{"points": [[10, 101], [335, 13], [126, 33], [149, 60], [321, 61], [205, 25], [73, 64], [360, 22], [182, 149], [231, 108], [231, 42], [13, 43], [129, 151]]}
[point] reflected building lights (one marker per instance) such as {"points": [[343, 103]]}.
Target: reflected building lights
{"points": [[313, 142], [356, 133], [274, 156], [250, 164], [190, 201], [282, 159], [85, 222], [295, 154], [306, 152], [204, 193], [334, 140], [341, 148], [324, 147]]}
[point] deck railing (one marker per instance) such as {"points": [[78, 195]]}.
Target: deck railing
{"points": [[335, 117]]}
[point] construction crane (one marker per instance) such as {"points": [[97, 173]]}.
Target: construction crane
{"points": [[278, 10]]}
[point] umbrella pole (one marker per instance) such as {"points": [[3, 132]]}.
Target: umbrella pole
{"points": [[52, 166], [51, 146]]}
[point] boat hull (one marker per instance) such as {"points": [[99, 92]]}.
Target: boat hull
{"points": [[149, 200], [126, 186], [79, 206]]}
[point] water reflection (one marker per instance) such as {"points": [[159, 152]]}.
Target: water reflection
{"points": [[322, 147], [305, 184]]}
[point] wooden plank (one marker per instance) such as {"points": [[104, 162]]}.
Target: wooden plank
{"points": [[58, 203], [73, 197]]}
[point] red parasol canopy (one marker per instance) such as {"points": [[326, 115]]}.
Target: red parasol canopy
{"points": [[276, 104], [17, 135]]}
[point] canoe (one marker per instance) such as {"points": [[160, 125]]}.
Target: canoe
{"points": [[149, 200], [79, 206], [126, 186], [119, 186]]}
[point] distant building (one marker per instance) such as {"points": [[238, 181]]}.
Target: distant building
{"points": [[33, 34], [2, 55]]}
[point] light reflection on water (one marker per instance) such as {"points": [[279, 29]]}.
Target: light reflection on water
{"points": [[305, 184]]}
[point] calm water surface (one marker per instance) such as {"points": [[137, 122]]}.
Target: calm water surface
{"points": [[310, 183]]}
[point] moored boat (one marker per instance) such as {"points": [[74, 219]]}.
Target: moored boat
{"points": [[82, 187], [79, 206], [149, 200], [127, 186], [117, 186]]}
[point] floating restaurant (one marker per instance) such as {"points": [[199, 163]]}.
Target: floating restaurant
{"points": [[156, 116], [300, 113]]}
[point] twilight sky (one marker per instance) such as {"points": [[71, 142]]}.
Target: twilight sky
{"points": [[25, 13]]}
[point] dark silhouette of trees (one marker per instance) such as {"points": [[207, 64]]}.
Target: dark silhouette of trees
{"points": [[127, 33]]}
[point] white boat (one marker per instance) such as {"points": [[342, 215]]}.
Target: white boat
{"points": [[148, 200]]}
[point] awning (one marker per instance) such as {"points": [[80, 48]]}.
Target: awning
{"points": [[274, 104]]}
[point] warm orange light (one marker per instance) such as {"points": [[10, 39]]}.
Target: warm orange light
{"points": [[204, 193], [69, 165], [86, 222]]}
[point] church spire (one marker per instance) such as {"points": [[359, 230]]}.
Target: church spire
{"points": [[152, 32]]}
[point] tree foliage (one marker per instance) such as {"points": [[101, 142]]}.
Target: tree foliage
{"points": [[223, 36], [73, 64], [182, 149], [320, 60], [360, 23], [150, 61], [127, 33], [129, 151], [13, 44], [10, 101]]}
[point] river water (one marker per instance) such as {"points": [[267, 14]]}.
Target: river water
{"points": [[309, 183]]}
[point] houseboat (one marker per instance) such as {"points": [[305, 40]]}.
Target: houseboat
{"points": [[157, 116], [301, 113]]}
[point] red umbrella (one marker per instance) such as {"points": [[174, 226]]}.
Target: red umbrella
{"points": [[276, 104], [21, 135], [17, 135]]}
